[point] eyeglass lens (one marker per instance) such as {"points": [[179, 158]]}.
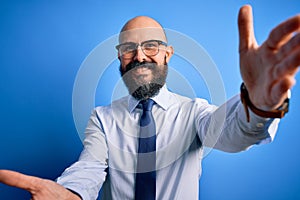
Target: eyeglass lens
{"points": [[149, 48]]}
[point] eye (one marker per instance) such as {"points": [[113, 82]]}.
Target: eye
{"points": [[150, 45], [127, 48]]}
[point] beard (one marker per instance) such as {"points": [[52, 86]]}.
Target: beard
{"points": [[140, 88]]}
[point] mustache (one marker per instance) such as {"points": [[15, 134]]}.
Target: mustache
{"points": [[137, 64]]}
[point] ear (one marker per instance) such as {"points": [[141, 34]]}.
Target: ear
{"points": [[119, 56], [169, 53]]}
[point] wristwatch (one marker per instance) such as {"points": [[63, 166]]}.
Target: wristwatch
{"points": [[277, 113]]}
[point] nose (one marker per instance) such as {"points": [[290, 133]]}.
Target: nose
{"points": [[140, 56]]}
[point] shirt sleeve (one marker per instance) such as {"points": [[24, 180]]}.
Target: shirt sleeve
{"points": [[88, 174], [226, 127]]}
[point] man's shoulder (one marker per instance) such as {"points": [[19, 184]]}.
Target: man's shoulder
{"points": [[121, 103], [185, 99]]}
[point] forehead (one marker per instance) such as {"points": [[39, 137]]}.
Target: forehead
{"points": [[142, 34]]}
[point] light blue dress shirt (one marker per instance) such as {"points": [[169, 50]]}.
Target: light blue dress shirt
{"points": [[183, 127]]}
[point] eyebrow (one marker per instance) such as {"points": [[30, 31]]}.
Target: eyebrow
{"points": [[160, 42]]}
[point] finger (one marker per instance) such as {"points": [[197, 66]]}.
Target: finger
{"points": [[283, 32], [289, 65], [288, 47], [246, 31], [17, 179]]}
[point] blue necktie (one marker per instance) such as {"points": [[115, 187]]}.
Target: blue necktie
{"points": [[145, 188]]}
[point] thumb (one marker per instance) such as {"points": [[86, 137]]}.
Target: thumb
{"points": [[246, 31], [19, 180]]}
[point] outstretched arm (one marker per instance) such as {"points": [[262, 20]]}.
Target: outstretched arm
{"points": [[40, 189], [269, 70]]}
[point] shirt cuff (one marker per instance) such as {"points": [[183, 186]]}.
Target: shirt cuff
{"points": [[257, 123], [74, 193], [258, 126]]}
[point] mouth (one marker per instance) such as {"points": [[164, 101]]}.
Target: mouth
{"points": [[141, 71], [136, 65], [142, 74]]}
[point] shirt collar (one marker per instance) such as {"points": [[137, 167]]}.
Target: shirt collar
{"points": [[163, 99]]}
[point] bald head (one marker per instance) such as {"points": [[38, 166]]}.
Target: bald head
{"points": [[141, 22], [142, 28]]}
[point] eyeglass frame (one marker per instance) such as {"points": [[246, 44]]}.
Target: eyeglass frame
{"points": [[141, 44]]}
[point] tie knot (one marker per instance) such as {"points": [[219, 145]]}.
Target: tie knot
{"points": [[147, 104]]}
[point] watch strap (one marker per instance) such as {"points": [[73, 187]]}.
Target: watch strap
{"points": [[277, 113]]}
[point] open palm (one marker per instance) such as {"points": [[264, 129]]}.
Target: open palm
{"points": [[269, 70]]}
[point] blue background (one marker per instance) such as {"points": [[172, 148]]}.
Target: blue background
{"points": [[43, 44]]}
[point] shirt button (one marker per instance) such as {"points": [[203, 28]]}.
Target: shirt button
{"points": [[259, 125]]}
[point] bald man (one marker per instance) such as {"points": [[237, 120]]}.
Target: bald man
{"points": [[182, 125]]}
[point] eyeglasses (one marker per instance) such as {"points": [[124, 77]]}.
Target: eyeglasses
{"points": [[128, 50]]}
